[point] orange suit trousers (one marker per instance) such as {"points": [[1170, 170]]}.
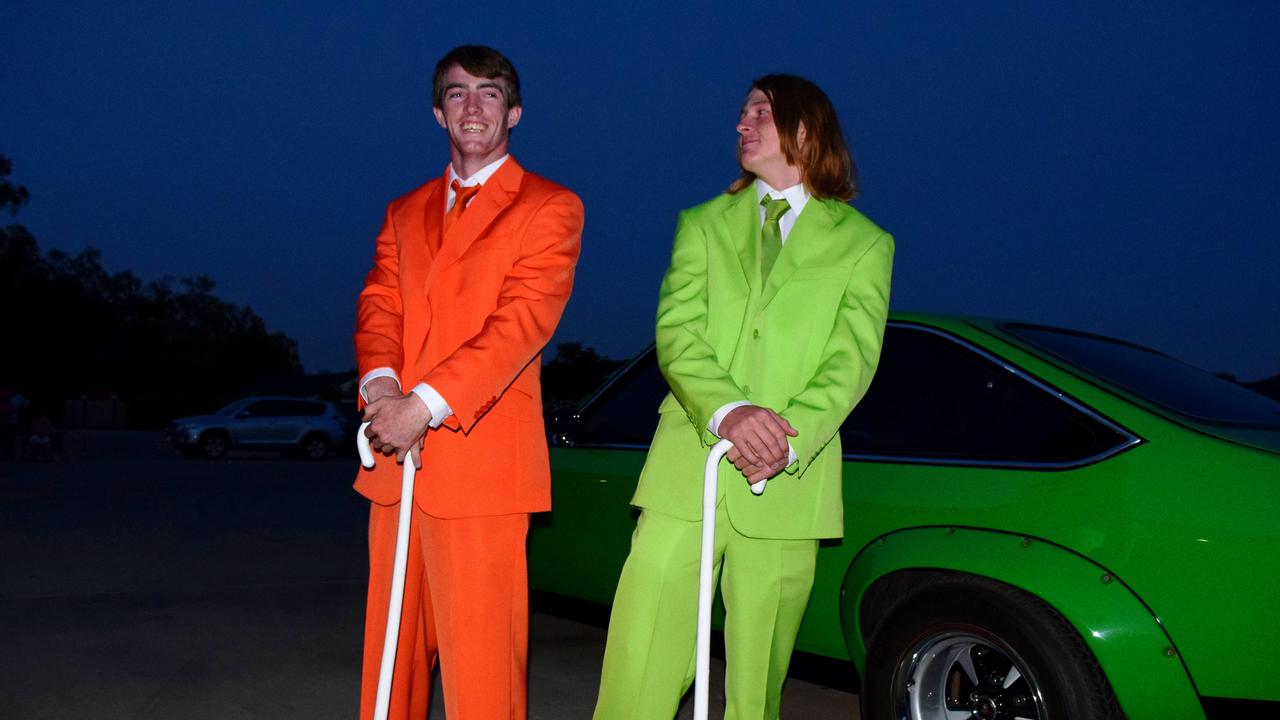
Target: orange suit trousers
{"points": [[466, 602]]}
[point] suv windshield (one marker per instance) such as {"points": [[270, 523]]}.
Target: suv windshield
{"points": [[232, 408], [1155, 377]]}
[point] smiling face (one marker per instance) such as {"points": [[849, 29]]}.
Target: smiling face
{"points": [[473, 110], [759, 147]]}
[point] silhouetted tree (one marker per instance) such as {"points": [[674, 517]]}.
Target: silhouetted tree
{"points": [[570, 378], [71, 327], [11, 196]]}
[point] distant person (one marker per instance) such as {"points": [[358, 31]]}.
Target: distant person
{"points": [[470, 275], [770, 321]]}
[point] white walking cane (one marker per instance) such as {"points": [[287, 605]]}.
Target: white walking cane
{"points": [[397, 578], [710, 489]]}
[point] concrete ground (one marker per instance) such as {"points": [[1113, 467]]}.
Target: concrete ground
{"points": [[136, 585]]}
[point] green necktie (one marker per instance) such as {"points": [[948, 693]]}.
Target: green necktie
{"points": [[771, 233]]}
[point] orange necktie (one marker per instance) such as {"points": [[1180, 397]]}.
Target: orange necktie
{"points": [[462, 196]]}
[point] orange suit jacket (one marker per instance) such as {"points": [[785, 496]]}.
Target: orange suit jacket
{"points": [[469, 314]]}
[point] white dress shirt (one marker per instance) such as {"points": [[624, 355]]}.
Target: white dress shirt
{"points": [[436, 403]]}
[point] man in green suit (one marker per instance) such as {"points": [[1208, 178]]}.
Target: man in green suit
{"points": [[770, 321]]}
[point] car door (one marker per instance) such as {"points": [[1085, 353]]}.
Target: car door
{"points": [[295, 419], [579, 547], [259, 423]]}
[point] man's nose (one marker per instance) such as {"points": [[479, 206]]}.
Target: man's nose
{"points": [[743, 128]]}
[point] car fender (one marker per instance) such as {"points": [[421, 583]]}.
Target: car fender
{"points": [[1139, 658], [224, 429]]}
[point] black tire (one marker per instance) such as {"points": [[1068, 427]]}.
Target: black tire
{"points": [[214, 445], [314, 447], [1028, 662]]}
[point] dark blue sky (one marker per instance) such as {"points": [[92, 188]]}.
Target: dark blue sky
{"points": [[1114, 169]]}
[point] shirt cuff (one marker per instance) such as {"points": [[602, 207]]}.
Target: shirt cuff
{"points": [[434, 402], [791, 455], [714, 425], [374, 374]]}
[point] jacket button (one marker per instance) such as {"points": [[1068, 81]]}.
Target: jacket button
{"points": [[746, 389], [755, 334]]}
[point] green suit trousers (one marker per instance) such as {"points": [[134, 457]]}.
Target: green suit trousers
{"points": [[649, 658]]}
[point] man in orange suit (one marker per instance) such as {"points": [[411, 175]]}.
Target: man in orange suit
{"points": [[471, 273]]}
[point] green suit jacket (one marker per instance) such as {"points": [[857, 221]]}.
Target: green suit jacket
{"points": [[806, 344]]}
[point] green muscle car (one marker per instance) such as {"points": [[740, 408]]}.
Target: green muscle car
{"points": [[1039, 523]]}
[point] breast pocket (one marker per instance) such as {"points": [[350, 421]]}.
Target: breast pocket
{"points": [[811, 288], [825, 272], [488, 256]]}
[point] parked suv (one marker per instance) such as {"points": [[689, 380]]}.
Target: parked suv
{"points": [[307, 429]]}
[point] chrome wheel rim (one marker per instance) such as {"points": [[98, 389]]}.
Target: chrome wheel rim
{"points": [[316, 448], [965, 676], [214, 446]]}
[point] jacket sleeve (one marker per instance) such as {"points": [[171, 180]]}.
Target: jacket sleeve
{"points": [[531, 299], [849, 358], [379, 314], [686, 357]]}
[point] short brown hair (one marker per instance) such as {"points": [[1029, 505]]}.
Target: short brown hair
{"points": [[482, 62], [826, 167]]}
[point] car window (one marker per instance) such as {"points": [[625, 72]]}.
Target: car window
{"points": [[1156, 377], [258, 408], [300, 408], [625, 412], [934, 399], [231, 409], [278, 407], [937, 399]]}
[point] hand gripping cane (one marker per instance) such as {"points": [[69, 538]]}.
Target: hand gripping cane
{"points": [[397, 578], [710, 489]]}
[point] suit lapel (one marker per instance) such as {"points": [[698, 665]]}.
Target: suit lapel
{"points": [[806, 235], [741, 225], [419, 246], [499, 192], [433, 217]]}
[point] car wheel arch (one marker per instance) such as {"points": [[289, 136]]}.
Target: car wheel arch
{"points": [[215, 432], [1125, 636], [315, 436]]}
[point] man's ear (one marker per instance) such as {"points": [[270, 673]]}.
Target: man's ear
{"points": [[800, 134], [439, 117], [513, 116]]}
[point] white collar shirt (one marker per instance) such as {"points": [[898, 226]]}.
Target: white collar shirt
{"points": [[481, 177], [796, 196]]}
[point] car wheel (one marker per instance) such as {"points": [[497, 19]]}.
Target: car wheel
{"points": [[214, 445], [970, 647], [314, 447]]}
